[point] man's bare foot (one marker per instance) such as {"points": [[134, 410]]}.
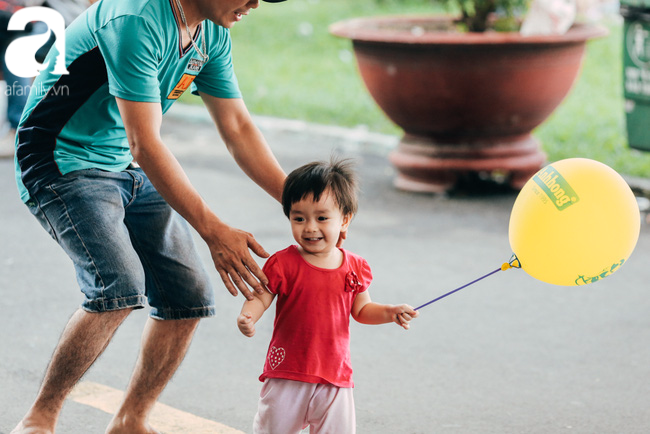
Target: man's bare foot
{"points": [[26, 428], [125, 427]]}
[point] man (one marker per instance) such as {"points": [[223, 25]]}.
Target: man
{"points": [[121, 224]]}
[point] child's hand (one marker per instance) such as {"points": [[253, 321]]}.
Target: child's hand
{"points": [[246, 324], [402, 314]]}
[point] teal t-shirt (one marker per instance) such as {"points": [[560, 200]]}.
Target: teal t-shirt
{"points": [[129, 49]]}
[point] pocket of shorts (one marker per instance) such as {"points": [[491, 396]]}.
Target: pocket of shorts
{"points": [[37, 212], [72, 177]]}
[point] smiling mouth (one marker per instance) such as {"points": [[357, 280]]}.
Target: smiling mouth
{"points": [[313, 239]]}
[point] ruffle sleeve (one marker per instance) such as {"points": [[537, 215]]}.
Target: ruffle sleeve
{"points": [[273, 271], [365, 275], [359, 276]]}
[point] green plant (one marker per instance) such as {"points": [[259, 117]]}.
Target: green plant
{"points": [[482, 15], [286, 73]]}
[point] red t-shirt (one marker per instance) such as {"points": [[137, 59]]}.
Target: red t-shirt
{"points": [[311, 332]]}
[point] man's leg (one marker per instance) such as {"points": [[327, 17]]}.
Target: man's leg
{"points": [[164, 344], [84, 338]]}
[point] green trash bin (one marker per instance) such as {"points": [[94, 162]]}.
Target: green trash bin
{"points": [[636, 71]]}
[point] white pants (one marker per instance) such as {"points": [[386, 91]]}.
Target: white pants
{"points": [[287, 407]]}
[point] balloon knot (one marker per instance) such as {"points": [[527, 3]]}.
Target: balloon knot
{"points": [[514, 262]]}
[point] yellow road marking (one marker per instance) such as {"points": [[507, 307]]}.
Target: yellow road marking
{"points": [[163, 417]]}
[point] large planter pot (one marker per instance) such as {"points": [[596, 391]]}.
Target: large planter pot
{"points": [[467, 102]]}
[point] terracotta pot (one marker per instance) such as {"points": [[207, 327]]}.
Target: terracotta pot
{"points": [[467, 102]]}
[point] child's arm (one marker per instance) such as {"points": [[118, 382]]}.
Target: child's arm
{"points": [[252, 311], [366, 311]]}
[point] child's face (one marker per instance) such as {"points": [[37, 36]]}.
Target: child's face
{"points": [[316, 226]]}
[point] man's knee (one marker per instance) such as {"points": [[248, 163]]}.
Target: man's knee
{"points": [[106, 319]]}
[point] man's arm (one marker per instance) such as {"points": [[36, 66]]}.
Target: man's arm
{"points": [[229, 246], [246, 143]]}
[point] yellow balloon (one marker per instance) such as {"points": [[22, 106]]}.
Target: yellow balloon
{"points": [[575, 222]]}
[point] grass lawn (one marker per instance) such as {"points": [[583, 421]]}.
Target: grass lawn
{"points": [[591, 120], [289, 66]]}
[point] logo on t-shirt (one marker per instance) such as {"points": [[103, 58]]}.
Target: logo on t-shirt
{"points": [[276, 356], [194, 65], [182, 85]]}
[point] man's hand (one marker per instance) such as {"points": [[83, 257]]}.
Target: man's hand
{"points": [[229, 246], [230, 252]]}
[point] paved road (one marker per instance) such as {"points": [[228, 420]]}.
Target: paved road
{"points": [[507, 355]]}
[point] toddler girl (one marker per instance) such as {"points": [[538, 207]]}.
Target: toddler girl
{"points": [[308, 375]]}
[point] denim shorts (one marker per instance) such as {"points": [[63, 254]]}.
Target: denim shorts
{"points": [[128, 246]]}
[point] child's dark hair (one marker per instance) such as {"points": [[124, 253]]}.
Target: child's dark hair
{"points": [[314, 178]]}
